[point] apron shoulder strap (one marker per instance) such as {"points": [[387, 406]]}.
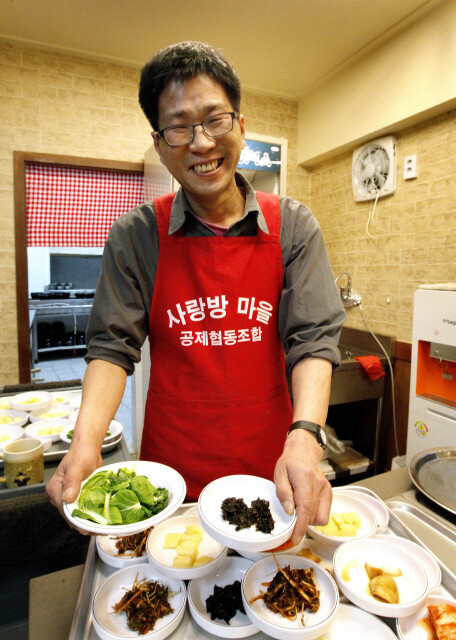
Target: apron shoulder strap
{"points": [[162, 208], [270, 208]]}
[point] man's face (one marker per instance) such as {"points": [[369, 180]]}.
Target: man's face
{"points": [[205, 167]]}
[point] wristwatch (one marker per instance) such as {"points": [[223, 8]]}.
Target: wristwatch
{"points": [[314, 428]]}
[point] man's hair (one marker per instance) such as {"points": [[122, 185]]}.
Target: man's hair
{"points": [[180, 62]]}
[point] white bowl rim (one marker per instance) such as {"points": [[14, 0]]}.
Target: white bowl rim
{"points": [[338, 540]]}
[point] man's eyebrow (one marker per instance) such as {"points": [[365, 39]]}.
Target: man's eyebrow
{"points": [[182, 113]]}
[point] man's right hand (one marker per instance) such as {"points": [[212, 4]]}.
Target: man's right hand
{"points": [[64, 486]]}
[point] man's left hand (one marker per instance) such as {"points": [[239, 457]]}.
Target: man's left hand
{"points": [[301, 484]]}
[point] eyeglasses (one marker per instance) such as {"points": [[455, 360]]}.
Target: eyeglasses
{"points": [[214, 127]]}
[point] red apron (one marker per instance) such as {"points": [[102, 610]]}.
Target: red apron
{"points": [[218, 401]]}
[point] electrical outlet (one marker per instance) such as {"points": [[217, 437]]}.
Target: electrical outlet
{"points": [[410, 167]]}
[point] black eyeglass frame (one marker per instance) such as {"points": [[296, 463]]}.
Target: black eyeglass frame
{"points": [[161, 132]]}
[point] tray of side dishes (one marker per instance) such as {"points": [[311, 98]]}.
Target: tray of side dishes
{"points": [[395, 533]]}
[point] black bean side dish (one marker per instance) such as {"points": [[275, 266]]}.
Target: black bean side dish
{"points": [[238, 513], [225, 601]]}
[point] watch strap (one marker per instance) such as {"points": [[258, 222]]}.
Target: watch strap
{"points": [[313, 427]]}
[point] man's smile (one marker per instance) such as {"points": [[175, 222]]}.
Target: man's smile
{"points": [[207, 166]]}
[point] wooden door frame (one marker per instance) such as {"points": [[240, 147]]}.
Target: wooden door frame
{"points": [[20, 160]]}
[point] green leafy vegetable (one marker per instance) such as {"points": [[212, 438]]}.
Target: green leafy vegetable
{"points": [[110, 498]]}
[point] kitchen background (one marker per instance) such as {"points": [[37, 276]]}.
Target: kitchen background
{"points": [[66, 104]]}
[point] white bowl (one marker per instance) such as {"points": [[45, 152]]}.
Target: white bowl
{"points": [[59, 411], [115, 429], [32, 430], [75, 398], [111, 626], [240, 626], [5, 403], [18, 418], [12, 431], [342, 503], [249, 488], [59, 397], [356, 624], [425, 558], [276, 625], [162, 558], [351, 576], [411, 627], [108, 552], [378, 506], [31, 401], [159, 475]]}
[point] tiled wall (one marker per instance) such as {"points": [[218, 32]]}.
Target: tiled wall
{"points": [[72, 106], [419, 219]]}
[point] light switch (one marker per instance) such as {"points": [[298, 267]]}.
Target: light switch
{"points": [[410, 167]]}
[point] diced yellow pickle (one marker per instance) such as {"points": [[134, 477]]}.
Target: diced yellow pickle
{"points": [[329, 529], [202, 560], [337, 518], [191, 537], [356, 520], [172, 540], [347, 530], [192, 529], [182, 562], [187, 551]]}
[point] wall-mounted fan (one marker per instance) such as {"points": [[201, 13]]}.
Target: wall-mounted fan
{"points": [[374, 169]]}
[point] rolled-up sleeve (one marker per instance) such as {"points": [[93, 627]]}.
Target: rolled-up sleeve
{"points": [[310, 311], [119, 321]]}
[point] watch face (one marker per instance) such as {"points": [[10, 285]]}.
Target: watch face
{"points": [[323, 436]]}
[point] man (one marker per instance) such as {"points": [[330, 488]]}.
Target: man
{"points": [[221, 279]]}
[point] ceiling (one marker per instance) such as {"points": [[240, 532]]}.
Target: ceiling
{"points": [[284, 48]]}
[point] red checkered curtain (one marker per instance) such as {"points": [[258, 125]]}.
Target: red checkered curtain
{"points": [[74, 206]]}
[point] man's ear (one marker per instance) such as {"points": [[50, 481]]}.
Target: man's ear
{"points": [[156, 139]]}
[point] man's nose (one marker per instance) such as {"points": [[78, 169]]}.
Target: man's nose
{"points": [[200, 139]]}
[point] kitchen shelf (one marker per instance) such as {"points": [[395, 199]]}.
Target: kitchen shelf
{"points": [[63, 347]]}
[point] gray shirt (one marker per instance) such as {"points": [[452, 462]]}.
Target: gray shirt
{"points": [[310, 312]]}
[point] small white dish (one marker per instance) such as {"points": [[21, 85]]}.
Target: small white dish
{"points": [[353, 581], [112, 626], [356, 624], [5, 403], [378, 507], [8, 433], [412, 627], [115, 430], [59, 397], [10, 416], [343, 503], [59, 411], [162, 558], [48, 431], [424, 557], [276, 625], [240, 626], [31, 401], [75, 398], [159, 475], [249, 488], [108, 552]]}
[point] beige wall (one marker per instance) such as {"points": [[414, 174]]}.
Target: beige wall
{"points": [[66, 105], [407, 80], [420, 220]]}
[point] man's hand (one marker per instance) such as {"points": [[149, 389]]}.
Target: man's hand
{"points": [[300, 483], [74, 468]]}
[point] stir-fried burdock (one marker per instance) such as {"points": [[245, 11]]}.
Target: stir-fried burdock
{"points": [[261, 516], [291, 592], [238, 513], [225, 601], [133, 545], [144, 604]]}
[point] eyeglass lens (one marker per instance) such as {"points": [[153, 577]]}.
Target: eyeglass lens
{"points": [[213, 126]]}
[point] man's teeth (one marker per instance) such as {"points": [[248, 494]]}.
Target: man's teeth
{"points": [[203, 168]]}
